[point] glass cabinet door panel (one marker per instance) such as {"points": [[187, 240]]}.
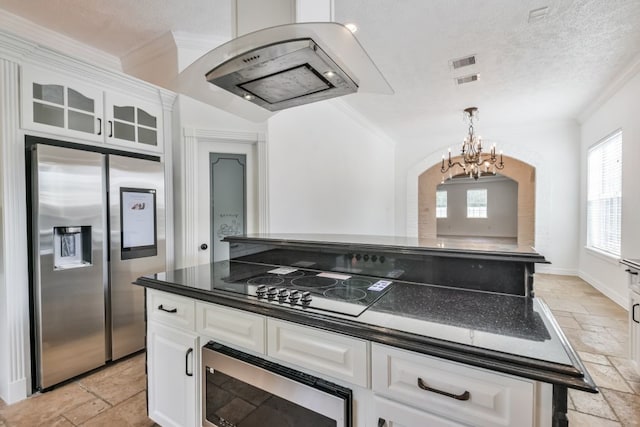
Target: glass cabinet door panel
{"points": [[124, 113], [79, 102], [81, 122], [146, 119], [48, 115], [124, 131], [147, 136], [49, 93]]}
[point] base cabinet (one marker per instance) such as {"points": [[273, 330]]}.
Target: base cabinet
{"points": [[172, 369], [634, 326], [386, 413]]}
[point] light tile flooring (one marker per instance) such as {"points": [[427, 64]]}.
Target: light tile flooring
{"points": [[114, 397], [596, 327], [598, 330]]}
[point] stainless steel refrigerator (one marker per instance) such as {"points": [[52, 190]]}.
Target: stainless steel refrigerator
{"points": [[97, 223]]}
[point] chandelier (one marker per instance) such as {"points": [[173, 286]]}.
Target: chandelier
{"points": [[473, 159]]}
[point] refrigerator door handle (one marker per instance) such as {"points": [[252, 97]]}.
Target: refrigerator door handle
{"points": [[168, 310], [186, 363]]}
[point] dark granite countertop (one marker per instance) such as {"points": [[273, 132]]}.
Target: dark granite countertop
{"points": [[506, 333], [440, 246], [631, 262]]}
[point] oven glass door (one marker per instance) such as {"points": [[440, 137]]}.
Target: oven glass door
{"points": [[246, 391]]}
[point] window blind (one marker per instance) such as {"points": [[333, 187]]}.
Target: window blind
{"points": [[441, 204], [604, 195], [477, 203]]}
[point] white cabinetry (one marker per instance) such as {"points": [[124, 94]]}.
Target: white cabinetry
{"points": [[386, 413], [336, 355], [172, 363], [235, 328], [173, 360], [63, 105], [634, 325], [56, 103], [458, 392]]}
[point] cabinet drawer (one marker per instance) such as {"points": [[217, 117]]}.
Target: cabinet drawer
{"points": [[230, 326], [171, 309], [386, 413], [332, 354], [457, 391]]}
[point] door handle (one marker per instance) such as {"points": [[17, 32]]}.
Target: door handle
{"points": [[464, 396], [168, 310], [99, 126], [186, 363], [633, 312], [110, 129]]}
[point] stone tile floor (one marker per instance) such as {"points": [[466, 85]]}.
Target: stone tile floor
{"points": [[598, 330], [596, 327], [113, 396]]}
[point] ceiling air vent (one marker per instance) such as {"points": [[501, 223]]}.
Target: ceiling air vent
{"points": [[463, 62], [467, 79]]}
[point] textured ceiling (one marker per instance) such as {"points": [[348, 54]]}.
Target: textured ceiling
{"points": [[545, 70]]}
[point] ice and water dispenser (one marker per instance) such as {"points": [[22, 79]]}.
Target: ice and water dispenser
{"points": [[71, 247]]}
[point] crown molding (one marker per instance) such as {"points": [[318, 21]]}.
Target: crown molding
{"points": [[39, 35], [227, 135], [159, 46], [194, 41], [611, 89]]}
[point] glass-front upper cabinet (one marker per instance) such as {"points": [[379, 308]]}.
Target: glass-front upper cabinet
{"points": [[131, 122], [56, 103]]}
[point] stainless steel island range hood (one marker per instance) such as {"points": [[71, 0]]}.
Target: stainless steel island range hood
{"points": [[282, 67]]}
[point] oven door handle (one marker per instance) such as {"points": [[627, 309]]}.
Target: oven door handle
{"points": [[186, 363]]}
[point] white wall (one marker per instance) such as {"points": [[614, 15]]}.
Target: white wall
{"points": [[550, 147], [502, 209], [329, 173], [618, 112]]}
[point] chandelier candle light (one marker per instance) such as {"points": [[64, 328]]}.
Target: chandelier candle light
{"points": [[472, 157]]}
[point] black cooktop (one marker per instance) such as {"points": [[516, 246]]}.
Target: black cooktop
{"points": [[305, 289]]}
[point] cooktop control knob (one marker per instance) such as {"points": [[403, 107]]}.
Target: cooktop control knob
{"points": [[261, 291], [271, 292], [306, 298], [366, 257], [294, 296], [374, 258], [283, 294]]}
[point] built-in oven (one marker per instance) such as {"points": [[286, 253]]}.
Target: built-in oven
{"points": [[239, 389]]}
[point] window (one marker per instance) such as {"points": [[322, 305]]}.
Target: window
{"points": [[604, 198], [441, 204], [477, 203]]}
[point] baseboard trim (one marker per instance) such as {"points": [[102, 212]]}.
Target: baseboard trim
{"points": [[544, 269], [16, 391], [621, 300]]}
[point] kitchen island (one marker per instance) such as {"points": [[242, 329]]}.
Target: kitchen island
{"points": [[487, 358]]}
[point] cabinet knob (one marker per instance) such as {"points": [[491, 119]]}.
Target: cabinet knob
{"points": [[204, 246]]}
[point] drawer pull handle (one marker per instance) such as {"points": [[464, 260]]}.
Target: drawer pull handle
{"points": [[633, 313], [628, 270], [464, 396], [168, 310], [186, 363]]}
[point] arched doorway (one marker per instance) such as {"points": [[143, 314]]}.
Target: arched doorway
{"points": [[522, 173]]}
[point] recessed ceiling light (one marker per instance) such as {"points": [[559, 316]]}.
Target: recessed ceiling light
{"points": [[247, 97], [538, 14], [351, 27], [329, 74]]}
